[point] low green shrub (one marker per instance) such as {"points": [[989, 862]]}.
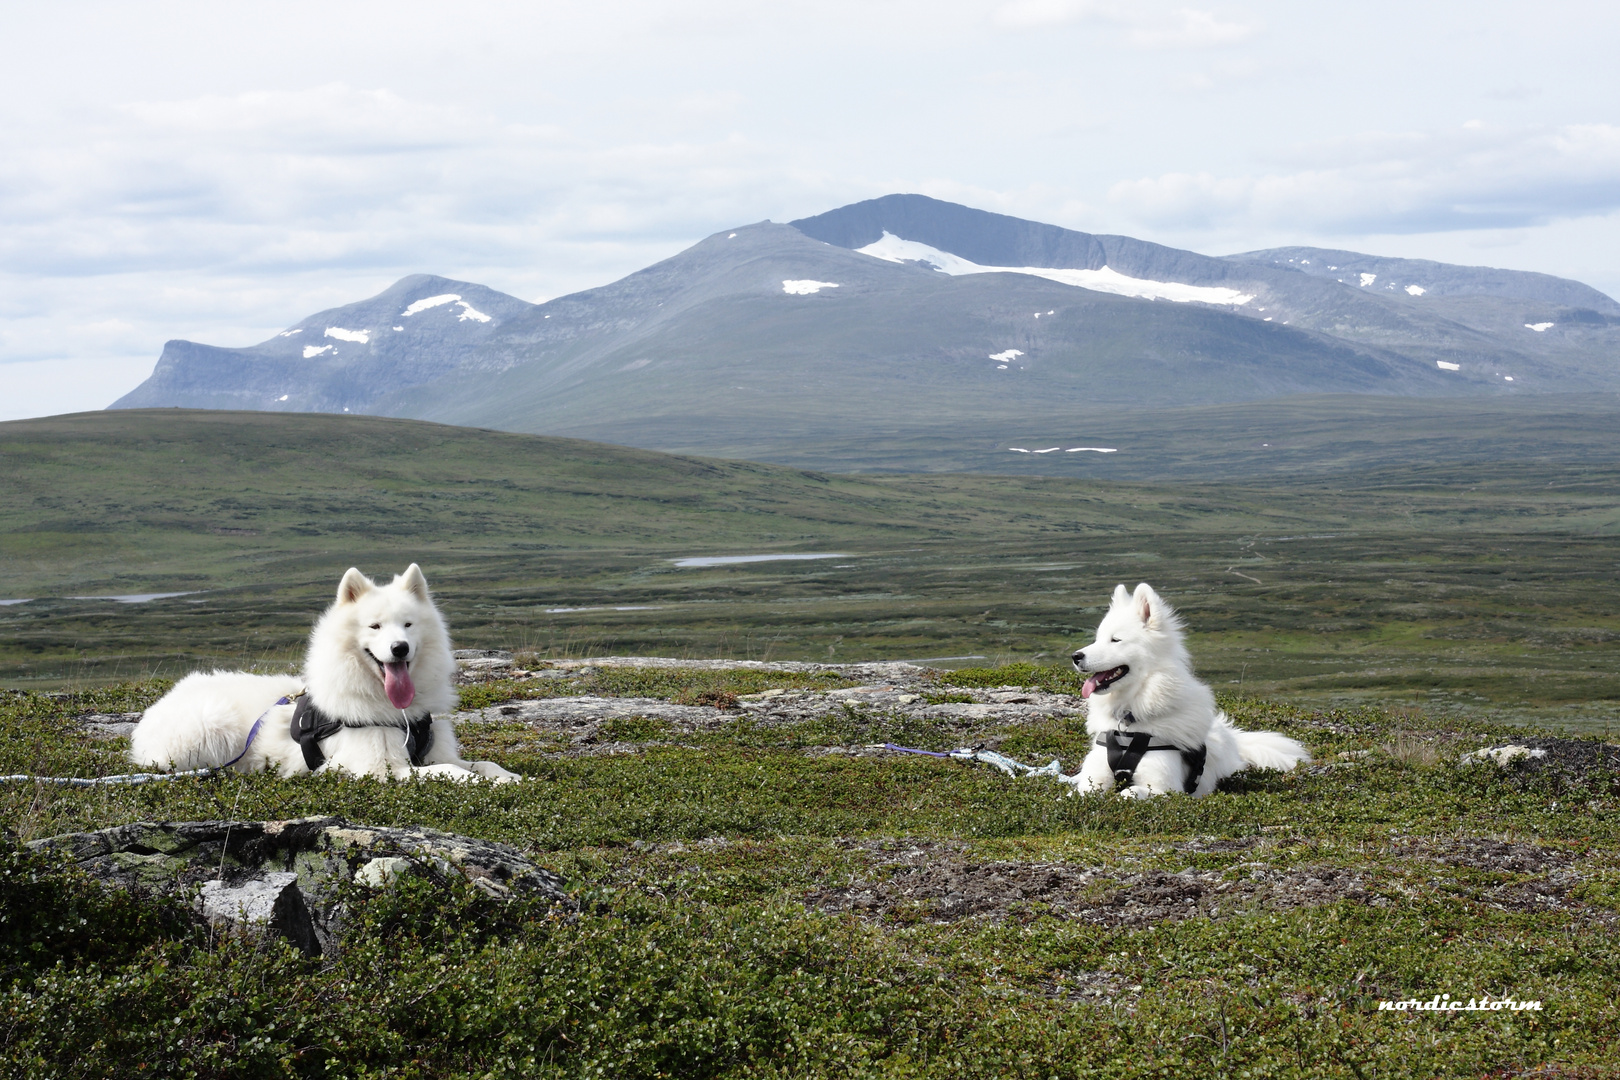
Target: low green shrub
{"points": [[701, 948]]}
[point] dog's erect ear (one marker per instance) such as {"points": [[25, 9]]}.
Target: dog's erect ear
{"points": [[413, 581], [1121, 596], [353, 586], [1147, 604]]}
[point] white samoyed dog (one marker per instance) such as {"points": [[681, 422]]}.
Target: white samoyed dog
{"points": [[1155, 727], [379, 667]]}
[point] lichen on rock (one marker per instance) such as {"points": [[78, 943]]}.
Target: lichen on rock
{"points": [[285, 877]]}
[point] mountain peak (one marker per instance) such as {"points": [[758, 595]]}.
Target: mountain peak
{"points": [[906, 310]]}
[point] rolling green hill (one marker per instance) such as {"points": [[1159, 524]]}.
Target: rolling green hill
{"points": [[1307, 436], [1453, 585]]}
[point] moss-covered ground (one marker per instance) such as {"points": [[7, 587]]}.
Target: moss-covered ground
{"points": [[753, 909]]}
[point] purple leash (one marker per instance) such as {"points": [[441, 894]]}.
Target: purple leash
{"points": [[253, 732], [146, 778]]}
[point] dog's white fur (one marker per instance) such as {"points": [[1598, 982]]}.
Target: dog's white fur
{"points": [[204, 721], [1161, 696]]}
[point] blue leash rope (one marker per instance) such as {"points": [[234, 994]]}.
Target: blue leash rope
{"points": [[910, 750], [988, 757], [148, 777]]}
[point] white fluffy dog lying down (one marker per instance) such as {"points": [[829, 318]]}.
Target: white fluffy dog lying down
{"points": [[1156, 728], [379, 666]]}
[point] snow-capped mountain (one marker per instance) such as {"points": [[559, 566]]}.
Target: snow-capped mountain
{"points": [[903, 312]]}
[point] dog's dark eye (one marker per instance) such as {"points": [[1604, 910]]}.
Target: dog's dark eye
{"points": [[378, 626], [407, 625], [1115, 640]]}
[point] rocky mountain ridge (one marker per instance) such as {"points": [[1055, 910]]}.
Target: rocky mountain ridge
{"points": [[904, 310]]}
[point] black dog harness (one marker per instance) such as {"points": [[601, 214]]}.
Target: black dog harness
{"points": [[1125, 752], [310, 726]]}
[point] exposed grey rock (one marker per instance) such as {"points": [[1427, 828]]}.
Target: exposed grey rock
{"points": [[108, 725], [1503, 756], [893, 688], [285, 876], [273, 901]]}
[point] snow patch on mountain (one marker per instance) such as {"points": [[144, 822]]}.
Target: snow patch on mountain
{"points": [[1004, 357], [357, 336], [894, 249], [1539, 327], [1368, 279], [806, 286], [1415, 290], [431, 302], [1443, 366], [312, 351]]}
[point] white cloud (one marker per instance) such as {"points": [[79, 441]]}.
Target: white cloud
{"points": [[1190, 29], [1145, 25], [1401, 182], [225, 218], [336, 175], [1024, 14]]}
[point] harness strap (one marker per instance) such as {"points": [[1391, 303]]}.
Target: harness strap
{"points": [[253, 732], [1125, 753], [310, 726], [1194, 761]]}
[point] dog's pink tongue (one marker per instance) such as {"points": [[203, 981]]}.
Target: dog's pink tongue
{"points": [[398, 686], [1089, 687]]}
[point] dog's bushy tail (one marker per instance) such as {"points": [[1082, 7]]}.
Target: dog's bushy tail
{"points": [[1269, 750]]}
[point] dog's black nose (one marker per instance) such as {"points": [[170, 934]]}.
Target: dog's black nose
{"points": [[400, 649], [1079, 659]]}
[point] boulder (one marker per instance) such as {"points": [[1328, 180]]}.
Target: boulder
{"points": [[284, 877]]}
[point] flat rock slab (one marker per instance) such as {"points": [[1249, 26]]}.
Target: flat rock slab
{"points": [[286, 876], [578, 721], [108, 725]]}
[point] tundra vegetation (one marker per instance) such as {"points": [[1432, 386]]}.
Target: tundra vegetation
{"points": [[759, 892]]}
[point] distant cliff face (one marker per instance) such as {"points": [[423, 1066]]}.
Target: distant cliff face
{"points": [[907, 310], [420, 329]]}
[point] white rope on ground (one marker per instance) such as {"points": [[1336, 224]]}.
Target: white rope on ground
{"points": [[92, 781], [988, 757]]}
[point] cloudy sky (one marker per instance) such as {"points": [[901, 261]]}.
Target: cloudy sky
{"points": [[216, 171]]}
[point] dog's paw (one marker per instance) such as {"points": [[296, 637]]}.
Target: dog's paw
{"points": [[491, 771], [1137, 792]]}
